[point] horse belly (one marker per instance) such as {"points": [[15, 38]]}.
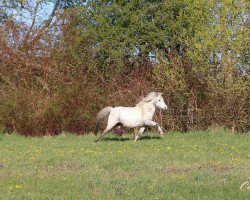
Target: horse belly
{"points": [[130, 117]]}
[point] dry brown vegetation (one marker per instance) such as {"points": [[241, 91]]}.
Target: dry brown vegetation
{"points": [[50, 84]]}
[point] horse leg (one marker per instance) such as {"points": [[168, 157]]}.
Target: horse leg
{"points": [[136, 129], [119, 127], [111, 124], [139, 133], [152, 123], [102, 134]]}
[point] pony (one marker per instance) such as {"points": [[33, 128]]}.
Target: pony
{"points": [[138, 116]]}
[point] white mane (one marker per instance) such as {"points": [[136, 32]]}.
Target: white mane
{"points": [[148, 98]]}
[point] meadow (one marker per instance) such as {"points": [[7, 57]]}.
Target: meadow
{"points": [[195, 165]]}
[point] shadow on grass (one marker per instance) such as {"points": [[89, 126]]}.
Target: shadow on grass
{"points": [[150, 138], [107, 139]]}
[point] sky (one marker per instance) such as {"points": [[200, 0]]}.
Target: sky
{"points": [[25, 14]]}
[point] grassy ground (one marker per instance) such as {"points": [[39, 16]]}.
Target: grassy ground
{"points": [[200, 165]]}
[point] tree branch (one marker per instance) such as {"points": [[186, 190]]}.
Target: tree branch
{"points": [[32, 24], [47, 23]]}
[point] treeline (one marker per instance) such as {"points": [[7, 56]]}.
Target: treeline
{"points": [[62, 61]]}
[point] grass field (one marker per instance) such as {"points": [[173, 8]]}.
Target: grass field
{"points": [[196, 165]]}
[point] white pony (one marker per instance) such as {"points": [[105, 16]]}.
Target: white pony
{"points": [[132, 117]]}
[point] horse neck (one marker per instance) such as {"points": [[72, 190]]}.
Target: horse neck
{"points": [[148, 109]]}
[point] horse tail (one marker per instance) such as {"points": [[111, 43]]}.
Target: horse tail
{"points": [[104, 113]]}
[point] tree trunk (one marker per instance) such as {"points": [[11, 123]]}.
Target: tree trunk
{"points": [[226, 69]]}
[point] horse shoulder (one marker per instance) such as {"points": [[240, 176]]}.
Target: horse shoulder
{"points": [[148, 112]]}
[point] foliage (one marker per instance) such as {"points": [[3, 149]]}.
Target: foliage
{"points": [[57, 72]]}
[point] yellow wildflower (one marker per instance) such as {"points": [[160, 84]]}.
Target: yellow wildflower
{"points": [[18, 187]]}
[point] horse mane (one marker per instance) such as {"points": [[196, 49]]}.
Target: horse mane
{"points": [[148, 98]]}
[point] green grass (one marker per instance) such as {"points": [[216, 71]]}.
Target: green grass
{"points": [[197, 165]]}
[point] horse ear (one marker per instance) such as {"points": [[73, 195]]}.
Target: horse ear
{"points": [[159, 94]]}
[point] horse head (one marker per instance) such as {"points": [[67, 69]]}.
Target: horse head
{"points": [[159, 101], [156, 98]]}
